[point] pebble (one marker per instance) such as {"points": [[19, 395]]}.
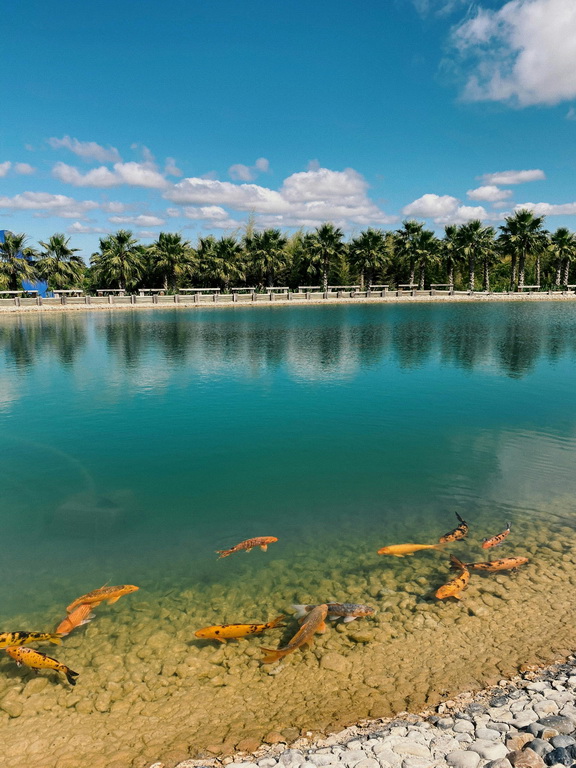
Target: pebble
{"points": [[527, 758], [560, 756], [461, 758], [561, 723], [562, 740], [540, 746], [488, 749]]}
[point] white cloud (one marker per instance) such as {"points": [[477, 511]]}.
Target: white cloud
{"points": [[87, 150], [143, 220], [133, 174], [548, 209], [240, 172], [439, 7], [46, 203], [4, 168], [304, 199], [170, 168], [444, 209], [524, 53], [209, 212], [491, 193], [513, 177], [83, 229], [24, 169], [113, 206]]}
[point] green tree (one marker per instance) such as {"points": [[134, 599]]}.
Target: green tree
{"points": [[59, 264], [407, 245], [323, 249], [426, 253], [563, 247], [368, 254], [476, 243], [522, 235], [171, 259], [220, 261], [451, 251], [16, 261], [266, 252], [120, 261]]}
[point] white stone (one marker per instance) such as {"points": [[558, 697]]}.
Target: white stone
{"points": [[319, 760], [267, 762], [524, 718], [412, 749], [489, 750], [545, 707], [352, 756], [463, 726], [417, 762], [368, 762], [461, 758], [386, 758]]}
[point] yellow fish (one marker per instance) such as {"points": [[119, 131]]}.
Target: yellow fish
{"points": [[457, 585], [36, 660], [24, 638], [223, 632], [401, 550]]}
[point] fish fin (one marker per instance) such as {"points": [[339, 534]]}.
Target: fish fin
{"points": [[264, 547], [300, 611], [18, 663], [458, 597], [333, 617], [276, 622], [248, 549], [71, 676], [64, 634], [56, 639], [113, 600], [321, 629], [348, 619], [220, 639], [400, 555]]}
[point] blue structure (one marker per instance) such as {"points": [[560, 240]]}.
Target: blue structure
{"points": [[41, 287]]}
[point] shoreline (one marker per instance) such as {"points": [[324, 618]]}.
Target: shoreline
{"points": [[515, 723], [278, 302]]}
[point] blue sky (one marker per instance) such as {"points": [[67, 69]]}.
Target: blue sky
{"points": [[188, 116]]}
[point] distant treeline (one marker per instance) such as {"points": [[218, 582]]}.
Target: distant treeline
{"points": [[468, 256]]}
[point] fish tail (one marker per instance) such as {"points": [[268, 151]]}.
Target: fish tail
{"points": [[457, 564], [276, 622], [223, 552], [508, 526], [71, 676], [300, 611], [460, 520], [56, 638], [272, 655]]}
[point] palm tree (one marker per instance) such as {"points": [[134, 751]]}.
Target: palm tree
{"points": [[406, 244], [563, 246], [476, 242], [426, 253], [221, 260], [58, 263], [171, 258], [323, 249], [522, 235], [16, 261], [368, 254], [450, 250], [120, 260], [266, 252]]}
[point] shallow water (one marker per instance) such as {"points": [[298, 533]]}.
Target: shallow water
{"points": [[134, 444]]}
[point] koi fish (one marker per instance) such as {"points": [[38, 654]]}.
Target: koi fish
{"points": [[457, 533], [347, 611], [504, 564], [78, 617], [36, 660], [24, 638], [314, 622], [259, 541], [456, 585], [401, 550], [495, 541], [97, 596], [223, 632]]}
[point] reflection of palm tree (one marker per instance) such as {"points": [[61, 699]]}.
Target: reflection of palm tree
{"points": [[266, 254], [58, 263], [563, 247], [16, 261], [368, 254], [522, 235], [171, 258], [120, 261], [323, 249]]}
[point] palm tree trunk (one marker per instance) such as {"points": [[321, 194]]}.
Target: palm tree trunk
{"points": [[486, 286], [521, 270], [421, 281], [412, 273], [566, 271], [451, 274], [325, 277], [558, 274], [513, 272], [471, 266], [538, 269], [362, 280]]}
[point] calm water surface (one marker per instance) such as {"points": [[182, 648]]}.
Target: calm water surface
{"points": [[134, 444]]}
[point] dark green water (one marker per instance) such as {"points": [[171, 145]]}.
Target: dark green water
{"points": [[134, 442]]}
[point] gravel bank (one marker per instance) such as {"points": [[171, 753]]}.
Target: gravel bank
{"points": [[528, 722]]}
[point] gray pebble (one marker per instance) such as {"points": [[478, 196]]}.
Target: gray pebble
{"points": [[489, 750], [540, 746], [463, 726], [562, 740], [561, 723], [501, 762], [461, 758], [487, 733]]}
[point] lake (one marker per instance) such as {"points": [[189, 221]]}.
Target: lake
{"points": [[136, 443]]}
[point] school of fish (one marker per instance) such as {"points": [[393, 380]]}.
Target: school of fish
{"points": [[312, 618]]}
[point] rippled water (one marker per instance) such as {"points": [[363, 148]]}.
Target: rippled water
{"points": [[134, 444]]}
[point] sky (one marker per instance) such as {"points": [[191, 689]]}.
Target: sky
{"points": [[194, 117]]}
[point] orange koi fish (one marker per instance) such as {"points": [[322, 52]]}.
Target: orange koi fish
{"points": [[223, 632], [495, 541], [259, 541], [36, 660], [457, 585], [314, 622], [504, 564], [401, 550], [346, 611], [24, 638], [457, 533], [78, 617], [109, 594]]}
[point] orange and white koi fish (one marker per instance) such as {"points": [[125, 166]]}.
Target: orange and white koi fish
{"points": [[259, 541], [346, 611], [223, 632], [314, 622], [36, 660], [457, 585], [78, 617], [24, 638], [401, 550], [108, 594], [457, 533], [504, 564], [495, 541]]}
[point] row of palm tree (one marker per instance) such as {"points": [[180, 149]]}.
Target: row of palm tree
{"points": [[410, 254]]}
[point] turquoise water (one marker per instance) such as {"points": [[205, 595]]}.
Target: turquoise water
{"points": [[135, 443]]}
